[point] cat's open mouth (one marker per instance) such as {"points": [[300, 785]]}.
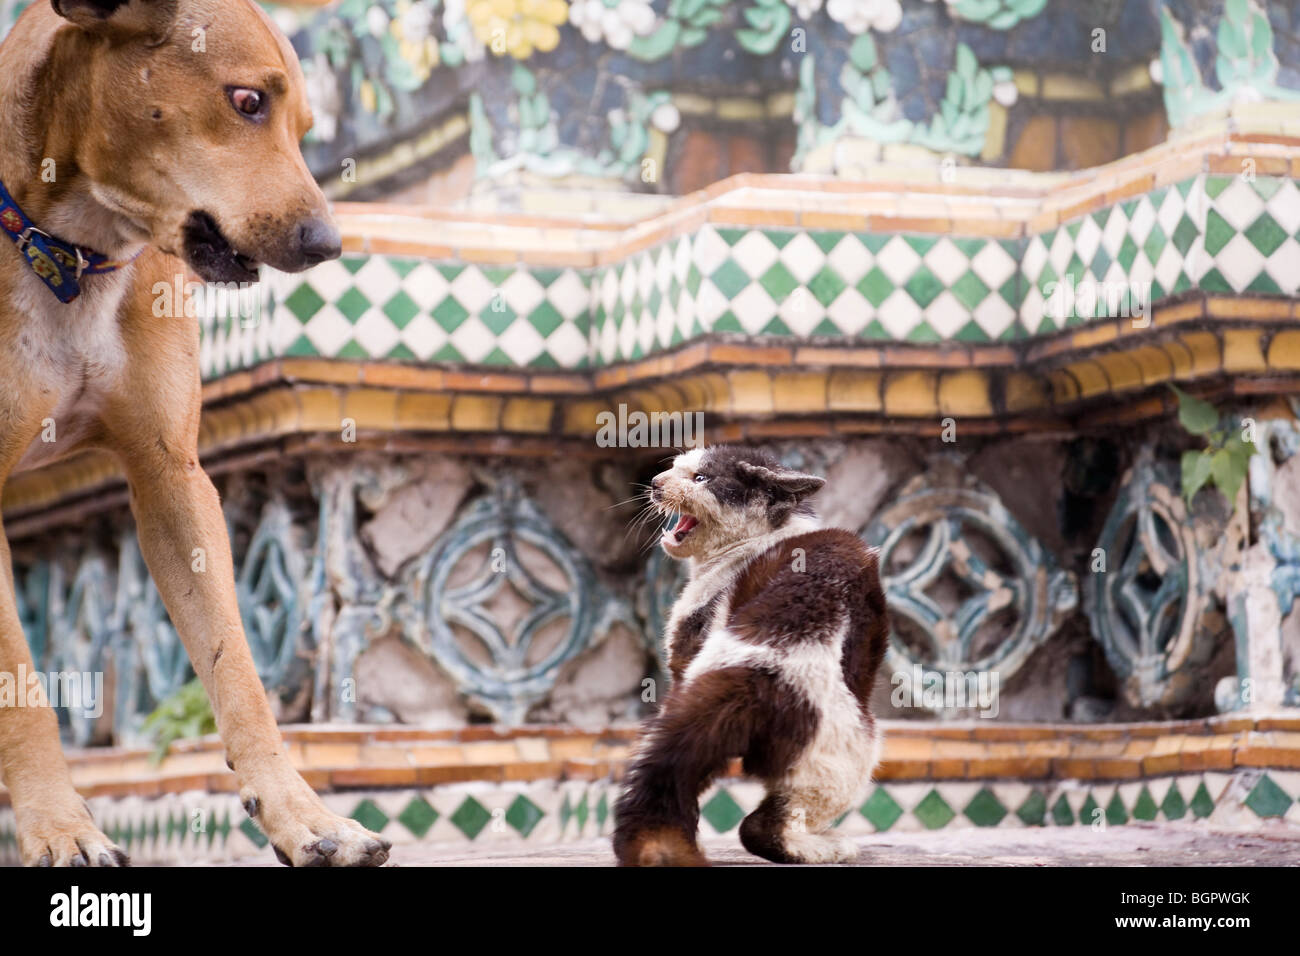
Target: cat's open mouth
{"points": [[685, 525]]}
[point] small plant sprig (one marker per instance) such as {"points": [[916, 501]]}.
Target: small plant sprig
{"points": [[1224, 460], [185, 714]]}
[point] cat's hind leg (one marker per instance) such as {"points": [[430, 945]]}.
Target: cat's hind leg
{"points": [[795, 821]]}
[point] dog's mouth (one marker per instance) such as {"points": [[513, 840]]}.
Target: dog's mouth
{"points": [[212, 255], [678, 533]]}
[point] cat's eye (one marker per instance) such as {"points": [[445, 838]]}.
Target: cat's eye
{"points": [[251, 103], [700, 479]]}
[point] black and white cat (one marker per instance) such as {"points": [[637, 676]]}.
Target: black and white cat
{"points": [[773, 648]]}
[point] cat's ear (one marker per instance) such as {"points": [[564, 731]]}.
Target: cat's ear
{"points": [[786, 481]]}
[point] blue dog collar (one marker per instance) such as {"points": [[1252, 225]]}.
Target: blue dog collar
{"points": [[60, 265]]}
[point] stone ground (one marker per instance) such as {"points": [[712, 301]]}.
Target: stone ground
{"points": [[1130, 845]]}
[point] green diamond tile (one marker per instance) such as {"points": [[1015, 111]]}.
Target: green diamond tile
{"points": [[249, 829], [875, 286], [1267, 799], [1144, 808], [722, 812], [1265, 234], [1264, 284], [1100, 264], [352, 349], [933, 811], [1213, 281], [523, 815], [826, 241], [1218, 232], [1184, 234], [1088, 813], [875, 241], [1173, 806], [1034, 810], [1128, 251], [923, 332], [470, 817], [403, 267], [1062, 815], [1116, 815], [924, 286], [401, 308], [370, 816], [304, 302], [985, 810], [881, 810], [354, 263], [352, 304], [545, 319], [602, 810], [778, 282], [498, 317], [921, 244], [730, 279], [449, 314], [1155, 243], [779, 238], [1202, 805], [970, 290], [826, 286], [566, 812], [776, 327], [1267, 186], [732, 236], [418, 816], [580, 812], [971, 332], [727, 322]]}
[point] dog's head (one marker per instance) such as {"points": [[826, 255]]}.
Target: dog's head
{"points": [[192, 135], [725, 495]]}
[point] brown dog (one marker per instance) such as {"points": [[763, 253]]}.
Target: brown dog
{"points": [[165, 130]]}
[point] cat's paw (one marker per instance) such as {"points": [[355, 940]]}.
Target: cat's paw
{"points": [[820, 848]]}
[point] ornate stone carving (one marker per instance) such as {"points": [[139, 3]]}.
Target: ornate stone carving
{"points": [[969, 588], [1146, 605], [504, 603]]}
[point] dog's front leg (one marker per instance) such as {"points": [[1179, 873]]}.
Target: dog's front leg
{"points": [[152, 424], [179, 519], [54, 826]]}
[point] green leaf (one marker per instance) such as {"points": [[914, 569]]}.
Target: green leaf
{"points": [[966, 62], [1229, 472], [658, 44], [693, 36], [1194, 414], [863, 53], [1196, 471]]}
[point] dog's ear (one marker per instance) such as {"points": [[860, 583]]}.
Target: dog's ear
{"points": [[795, 484], [153, 18]]}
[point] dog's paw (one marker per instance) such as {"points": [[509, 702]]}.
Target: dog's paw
{"points": [[65, 837], [304, 833], [820, 848]]}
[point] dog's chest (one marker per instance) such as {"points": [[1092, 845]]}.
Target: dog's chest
{"points": [[72, 356]]}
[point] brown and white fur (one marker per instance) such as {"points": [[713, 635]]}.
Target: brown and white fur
{"points": [[773, 648], [158, 147]]}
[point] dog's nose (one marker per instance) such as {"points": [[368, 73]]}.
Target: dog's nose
{"points": [[318, 241]]}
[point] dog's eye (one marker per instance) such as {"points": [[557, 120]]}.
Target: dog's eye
{"points": [[701, 479], [249, 102]]}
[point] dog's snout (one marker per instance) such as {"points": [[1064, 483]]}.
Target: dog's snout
{"points": [[318, 241]]}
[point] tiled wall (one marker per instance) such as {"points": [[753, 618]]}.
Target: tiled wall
{"points": [[1215, 233]]}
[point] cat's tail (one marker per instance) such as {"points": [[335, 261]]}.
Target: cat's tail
{"points": [[689, 742]]}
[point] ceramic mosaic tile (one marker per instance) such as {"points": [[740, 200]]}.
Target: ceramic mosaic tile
{"points": [[1221, 234], [198, 826]]}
